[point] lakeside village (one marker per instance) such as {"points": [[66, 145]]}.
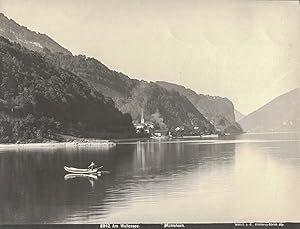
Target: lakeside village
{"points": [[143, 129], [147, 128]]}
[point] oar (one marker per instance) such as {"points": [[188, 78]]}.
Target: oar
{"points": [[99, 167], [104, 172]]}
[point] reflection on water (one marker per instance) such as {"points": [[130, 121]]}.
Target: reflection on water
{"points": [[250, 178]]}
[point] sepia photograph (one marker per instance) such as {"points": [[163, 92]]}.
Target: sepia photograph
{"points": [[149, 114]]}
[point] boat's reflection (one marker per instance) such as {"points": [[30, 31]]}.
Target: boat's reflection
{"points": [[90, 177]]}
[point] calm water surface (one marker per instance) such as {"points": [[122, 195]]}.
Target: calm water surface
{"points": [[250, 178]]}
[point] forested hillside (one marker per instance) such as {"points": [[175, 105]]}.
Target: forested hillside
{"points": [[132, 95], [39, 99]]}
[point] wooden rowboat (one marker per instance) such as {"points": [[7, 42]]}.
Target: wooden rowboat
{"points": [[82, 171]]}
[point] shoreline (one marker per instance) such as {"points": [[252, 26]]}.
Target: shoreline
{"points": [[99, 144], [73, 142]]}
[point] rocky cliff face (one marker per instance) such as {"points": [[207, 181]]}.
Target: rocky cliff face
{"points": [[281, 114], [218, 110], [31, 40], [39, 99]]}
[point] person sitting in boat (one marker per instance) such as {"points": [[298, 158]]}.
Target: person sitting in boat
{"points": [[92, 165]]}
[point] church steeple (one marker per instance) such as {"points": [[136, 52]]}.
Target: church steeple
{"points": [[142, 117]]}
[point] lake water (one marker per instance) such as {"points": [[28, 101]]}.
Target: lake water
{"points": [[253, 177]]}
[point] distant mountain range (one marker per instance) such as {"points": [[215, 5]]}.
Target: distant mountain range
{"points": [[281, 114], [130, 95]]}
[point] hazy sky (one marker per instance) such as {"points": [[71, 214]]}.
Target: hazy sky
{"points": [[248, 51]]}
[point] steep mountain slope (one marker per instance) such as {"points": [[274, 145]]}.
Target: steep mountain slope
{"points": [[282, 113], [133, 95], [218, 110], [128, 94], [212, 107], [38, 99], [31, 40]]}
